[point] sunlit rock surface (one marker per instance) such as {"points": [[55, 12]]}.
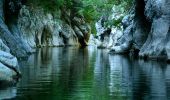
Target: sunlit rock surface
{"points": [[92, 40], [108, 36], [124, 42]]}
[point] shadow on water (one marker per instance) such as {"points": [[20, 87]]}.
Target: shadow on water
{"points": [[70, 73]]}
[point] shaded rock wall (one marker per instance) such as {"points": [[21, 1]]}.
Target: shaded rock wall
{"points": [[42, 29], [146, 29], [9, 69], [10, 43], [30, 28], [157, 44], [10, 33], [22, 29]]}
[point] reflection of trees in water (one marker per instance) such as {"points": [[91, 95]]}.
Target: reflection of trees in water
{"points": [[73, 69], [126, 78], [8, 93], [147, 79], [59, 69], [46, 55], [119, 82], [91, 74], [101, 76], [112, 76]]}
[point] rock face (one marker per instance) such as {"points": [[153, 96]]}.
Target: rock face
{"points": [[8, 64], [108, 35], [38, 29], [157, 43], [32, 27], [8, 67], [9, 31], [146, 29], [8, 40], [23, 28], [42, 29]]}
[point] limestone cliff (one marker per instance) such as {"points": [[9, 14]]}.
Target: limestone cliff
{"points": [[23, 28], [43, 29], [109, 30], [146, 30]]}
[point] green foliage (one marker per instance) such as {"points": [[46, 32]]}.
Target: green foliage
{"points": [[50, 5], [114, 22], [92, 10]]}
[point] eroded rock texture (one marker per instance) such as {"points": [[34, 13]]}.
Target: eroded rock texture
{"points": [[23, 28], [9, 69], [157, 43], [42, 29], [147, 29], [108, 36], [9, 31], [10, 41]]}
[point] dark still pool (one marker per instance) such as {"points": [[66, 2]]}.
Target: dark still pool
{"points": [[70, 73]]}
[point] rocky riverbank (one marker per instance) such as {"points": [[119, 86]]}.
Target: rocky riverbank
{"points": [[145, 32], [24, 27]]}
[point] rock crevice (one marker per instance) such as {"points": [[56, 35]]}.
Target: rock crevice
{"points": [[23, 28], [148, 31]]}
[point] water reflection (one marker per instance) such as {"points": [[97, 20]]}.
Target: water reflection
{"points": [[70, 73], [8, 93]]}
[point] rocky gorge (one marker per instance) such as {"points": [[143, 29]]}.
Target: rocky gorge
{"points": [[145, 32], [24, 28]]}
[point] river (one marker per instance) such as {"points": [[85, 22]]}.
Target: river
{"points": [[72, 73]]}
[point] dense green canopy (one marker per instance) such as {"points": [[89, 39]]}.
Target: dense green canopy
{"points": [[92, 10]]}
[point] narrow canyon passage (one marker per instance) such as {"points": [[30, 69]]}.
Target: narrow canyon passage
{"points": [[85, 49]]}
